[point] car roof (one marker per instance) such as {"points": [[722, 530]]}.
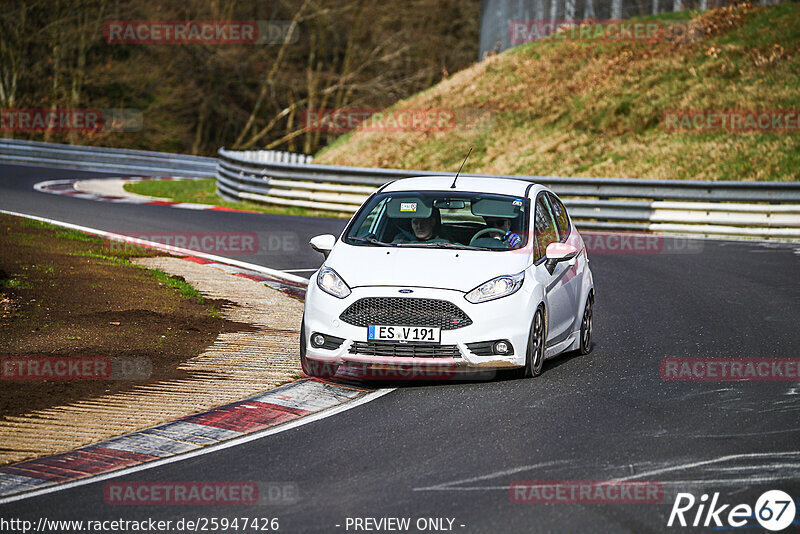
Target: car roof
{"points": [[502, 186]]}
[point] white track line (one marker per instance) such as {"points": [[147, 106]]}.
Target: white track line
{"points": [[281, 275], [233, 442], [701, 463], [452, 486]]}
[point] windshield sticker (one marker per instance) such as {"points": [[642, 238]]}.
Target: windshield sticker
{"points": [[517, 202], [408, 206]]}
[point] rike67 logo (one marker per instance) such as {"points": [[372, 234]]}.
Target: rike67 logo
{"points": [[775, 510]]}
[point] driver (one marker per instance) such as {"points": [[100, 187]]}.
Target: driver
{"points": [[426, 230], [503, 224]]}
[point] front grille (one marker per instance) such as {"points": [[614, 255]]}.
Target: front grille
{"points": [[408, 350], [405, 312]]}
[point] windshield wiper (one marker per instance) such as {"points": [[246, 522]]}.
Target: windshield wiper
{"points": [[439, 244], [371, 241]]}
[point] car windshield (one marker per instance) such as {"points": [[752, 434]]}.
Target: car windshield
{"points": [[441, 219]]}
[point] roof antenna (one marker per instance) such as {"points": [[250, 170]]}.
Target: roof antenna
{"points": [[459, 169]]}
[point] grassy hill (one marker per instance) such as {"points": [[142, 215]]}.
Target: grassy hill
{"points": [[596, 108]]}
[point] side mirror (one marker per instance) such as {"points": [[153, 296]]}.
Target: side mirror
{"points": [[558, 252], [323, 243]]}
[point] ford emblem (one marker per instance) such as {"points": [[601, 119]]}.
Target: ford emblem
{"points": [[406, 291]]}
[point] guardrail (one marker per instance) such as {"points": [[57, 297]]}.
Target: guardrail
{"points": [[118, 160], [121, 160], [692, 207]]}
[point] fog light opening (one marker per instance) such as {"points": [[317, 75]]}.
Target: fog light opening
{"points": [[501, 347], [317, 340]]}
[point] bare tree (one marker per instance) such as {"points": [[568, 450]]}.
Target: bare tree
{"points": [[197, 97], [269, 78]]}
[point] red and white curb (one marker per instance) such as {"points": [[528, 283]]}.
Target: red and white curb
{"points": [[264, 414], [67, 188]]}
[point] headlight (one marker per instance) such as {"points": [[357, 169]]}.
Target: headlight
{"points": [[330, 282], [496, 288]]}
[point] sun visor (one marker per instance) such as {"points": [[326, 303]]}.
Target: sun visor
{"points": [[409, 207], [490, 207]]}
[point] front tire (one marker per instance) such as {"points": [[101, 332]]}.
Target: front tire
{"points": [[586, 325], [534, 358], [314, 368]]}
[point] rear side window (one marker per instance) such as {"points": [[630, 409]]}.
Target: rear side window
{"points": [[545, 228], [560, 213]]}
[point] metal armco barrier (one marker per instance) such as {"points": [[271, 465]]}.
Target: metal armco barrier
{"points": [[726, 209], [692, 207], [120, 160]]}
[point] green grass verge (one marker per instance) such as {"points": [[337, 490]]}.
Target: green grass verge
{"points": [[180, 284], [205, 192], [111, 252]]}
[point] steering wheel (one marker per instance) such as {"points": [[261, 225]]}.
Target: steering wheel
{"points": [[485, 231]]}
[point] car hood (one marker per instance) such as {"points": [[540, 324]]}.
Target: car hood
{"points": [[461, 270]]}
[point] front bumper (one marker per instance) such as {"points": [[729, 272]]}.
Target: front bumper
{"points": [[506, 318]]}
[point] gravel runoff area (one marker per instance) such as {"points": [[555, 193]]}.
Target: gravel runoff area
{"points": [[235, 366]]}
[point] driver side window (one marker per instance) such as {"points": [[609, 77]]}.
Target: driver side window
{"points": [[560, 213], [368, 224], [544, 227]]}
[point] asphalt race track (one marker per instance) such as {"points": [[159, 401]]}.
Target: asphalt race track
{"points": [[274, 249], [451, 450]]}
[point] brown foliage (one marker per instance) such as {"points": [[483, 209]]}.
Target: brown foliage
{"points": [[195, 98]]}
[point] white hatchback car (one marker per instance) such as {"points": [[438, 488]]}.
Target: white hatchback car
{"points": [[473, 274]]}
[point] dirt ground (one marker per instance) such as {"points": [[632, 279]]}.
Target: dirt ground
{"points": [[66, 294]]}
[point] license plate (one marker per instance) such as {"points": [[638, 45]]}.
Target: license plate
{"points": [[404, 333]]}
